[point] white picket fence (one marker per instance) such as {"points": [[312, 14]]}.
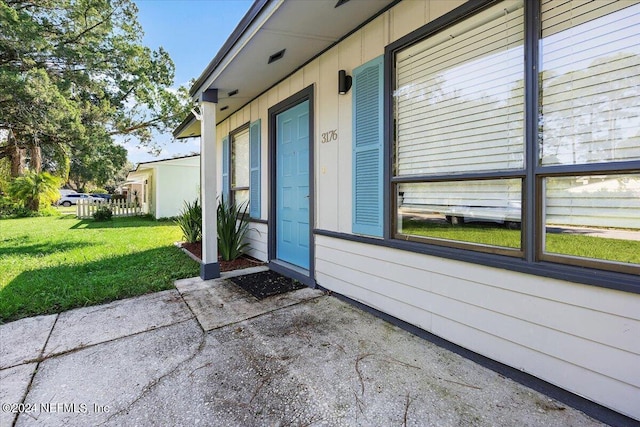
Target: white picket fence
{"points": [[86, 208]]}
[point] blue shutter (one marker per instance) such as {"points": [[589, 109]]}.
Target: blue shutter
{"points": [[368, 148], [254, 162], [225, 169]]}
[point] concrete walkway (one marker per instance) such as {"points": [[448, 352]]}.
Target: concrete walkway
{"points": [[210, 354]]}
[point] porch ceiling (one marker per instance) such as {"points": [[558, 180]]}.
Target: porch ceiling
{"points": [[302, 28]]}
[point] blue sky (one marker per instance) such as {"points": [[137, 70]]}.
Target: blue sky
{"points": [[192, 31]]}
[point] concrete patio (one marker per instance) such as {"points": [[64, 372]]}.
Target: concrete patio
{"points": [[208, 353]]}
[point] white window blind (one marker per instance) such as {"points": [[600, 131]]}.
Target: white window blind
{"points": [[459, 102], [240, 159], [448, 197], [605, 201], [590, 77]]}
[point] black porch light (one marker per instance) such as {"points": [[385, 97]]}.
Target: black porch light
{"points": [[344, 82]]}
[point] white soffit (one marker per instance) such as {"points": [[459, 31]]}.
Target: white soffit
{"points": [[304, 28]]}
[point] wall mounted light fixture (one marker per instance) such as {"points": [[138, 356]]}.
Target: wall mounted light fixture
{"points": [[344, 82]]}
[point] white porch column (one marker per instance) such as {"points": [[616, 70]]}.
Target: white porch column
{"points": [[209, 268]]}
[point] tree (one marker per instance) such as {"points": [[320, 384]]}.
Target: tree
{"points": [[119, 178], [5, 176], [35, 188], [71, 67], [97, 162]]}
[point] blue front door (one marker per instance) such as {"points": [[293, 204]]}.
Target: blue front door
{"points": [[292, 185]]}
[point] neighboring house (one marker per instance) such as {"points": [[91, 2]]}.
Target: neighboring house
{"points": [[162, 186], [446, 108]]}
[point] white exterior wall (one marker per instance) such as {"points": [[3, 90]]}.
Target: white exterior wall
{"points": [[174, 182], [582, 338], [257, 239]]}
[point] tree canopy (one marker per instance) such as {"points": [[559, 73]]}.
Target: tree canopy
{"points": [[74, 73]]}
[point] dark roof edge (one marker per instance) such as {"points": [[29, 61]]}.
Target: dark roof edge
{"points": [[183, 125], [162, 160], [242, 26]]}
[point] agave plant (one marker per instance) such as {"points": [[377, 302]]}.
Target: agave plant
{"points": [[232, 228], [190, 222]]}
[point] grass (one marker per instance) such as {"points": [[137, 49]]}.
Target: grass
{"points": [[620, 250], [52, 264], [474, 233]]}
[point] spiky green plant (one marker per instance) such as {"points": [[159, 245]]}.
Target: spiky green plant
{"points": [[190, 221], [232, 228], [34, 189]]}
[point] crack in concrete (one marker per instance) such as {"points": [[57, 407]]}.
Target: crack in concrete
{"points": [[151, 385], [39, 360], [83, 346]]}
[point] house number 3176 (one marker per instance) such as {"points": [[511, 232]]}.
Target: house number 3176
{"points": [[329, 136]]}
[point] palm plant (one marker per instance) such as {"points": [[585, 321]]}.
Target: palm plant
{"points": [[232, 228], [34, 188]]}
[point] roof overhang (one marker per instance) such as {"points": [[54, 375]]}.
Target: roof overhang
{"points": [[190, 127], [178, 161], [302, 29]]}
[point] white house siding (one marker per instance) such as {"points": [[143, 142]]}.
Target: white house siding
{"points": [[582, 338], [257, 239], [176, 181]]}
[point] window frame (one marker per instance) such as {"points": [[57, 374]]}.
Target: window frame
{"points": [[458, 15], [532, 257], [232, 138]]}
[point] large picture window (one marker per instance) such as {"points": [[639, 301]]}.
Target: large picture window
{"points": [[590, 122], [521, 142], [459, 117]]}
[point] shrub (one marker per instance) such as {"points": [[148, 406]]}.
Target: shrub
{"points": [[190, 222], [48, 211], [34, 189], [8, 207], [103, 214], [232, 227]]}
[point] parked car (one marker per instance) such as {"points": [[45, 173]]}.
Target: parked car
{"points": [[102, 196], [72, 199], [65, 192]]}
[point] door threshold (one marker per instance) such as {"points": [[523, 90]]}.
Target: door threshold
{"points": [[292, 271]]}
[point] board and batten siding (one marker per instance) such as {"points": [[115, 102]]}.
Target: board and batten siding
{"points": [[333, 161], [581, 338]]}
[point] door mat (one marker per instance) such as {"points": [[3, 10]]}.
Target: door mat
{"points": [[266, 283]]}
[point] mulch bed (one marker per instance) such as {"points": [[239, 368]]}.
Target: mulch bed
{"points": [[266, 283], [237, 264]]}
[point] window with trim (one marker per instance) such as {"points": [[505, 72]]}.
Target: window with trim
{"points": [[239, 168], [471, 171]]}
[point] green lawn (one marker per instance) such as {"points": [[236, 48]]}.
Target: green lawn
{"points": [[627, 251], [53, 264]]}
